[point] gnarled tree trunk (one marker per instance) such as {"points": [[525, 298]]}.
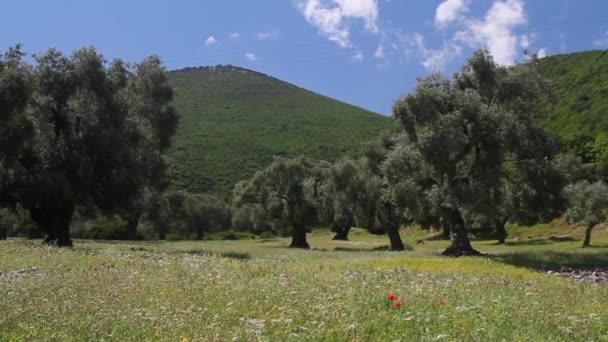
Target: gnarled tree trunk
{"points": [[341, 234], [587, 241], [391, 227], [395, 238], [55, 223], [460, 245], [298, 239], [343, 230], [3, 232], [131, 227], [501, 231]]}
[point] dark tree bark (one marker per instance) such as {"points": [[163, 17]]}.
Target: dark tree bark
{"points": [[299, 237], [341, 233], [131, 227], [298, 230], [3, 232], [343, 230], [395, 238], [501, 231], [391, 227], [445, 230], [460, 245], [587, 241], [55, 223]]}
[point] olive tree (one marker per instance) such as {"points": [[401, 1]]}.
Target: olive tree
{"points": [[16, 125], [280, 189], [588, 204], [94, 142], [343, 190], [203, 213], [377, 204], [150, 100], [460, 135]]}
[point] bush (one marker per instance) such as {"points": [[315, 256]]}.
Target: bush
{"points": [[101, 228]]}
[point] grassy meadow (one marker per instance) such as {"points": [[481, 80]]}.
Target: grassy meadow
{"points": [[259, 290]]}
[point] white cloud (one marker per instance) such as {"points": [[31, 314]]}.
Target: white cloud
{"points": [[432, 59], [525, 41], [357, 57], [270, 35], [330, 17], [542, 53], [364, 9], [450, 11], [251, 57], [211, 41], [602, 42], [234, 36], [495, 31], [379, 53]]}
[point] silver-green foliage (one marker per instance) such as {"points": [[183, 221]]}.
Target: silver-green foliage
{"points": [[588, 202]]}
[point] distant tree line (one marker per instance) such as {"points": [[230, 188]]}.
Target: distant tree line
{"points": [[83, 142]]}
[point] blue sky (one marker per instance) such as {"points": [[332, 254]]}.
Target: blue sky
{"points": [[365, 52]]}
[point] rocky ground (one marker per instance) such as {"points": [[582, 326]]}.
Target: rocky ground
{"points": [[598, 275]]}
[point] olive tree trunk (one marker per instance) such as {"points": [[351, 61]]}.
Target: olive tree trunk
{"points": [[343, 230], [460, 245], [342, 233], [55, 222], [298, 239], [587, 241], [391, 227], [395, 239], [132, 223], [501, 231]]}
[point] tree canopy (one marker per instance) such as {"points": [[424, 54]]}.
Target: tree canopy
{"points": [[462, 137], [588, 204], [94, 136]]}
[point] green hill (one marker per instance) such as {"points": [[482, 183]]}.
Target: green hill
{"points": [[580, 82], [234, 120]]}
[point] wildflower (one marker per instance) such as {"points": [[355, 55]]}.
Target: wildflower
{"points": [[441, 302], [391, 297], [397, 304], [183, 339]]}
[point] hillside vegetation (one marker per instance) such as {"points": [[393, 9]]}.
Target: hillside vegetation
{"points": [[580, 82], [234, 120]]}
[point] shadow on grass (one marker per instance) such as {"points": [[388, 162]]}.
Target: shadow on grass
{"points": [[548, 260], [384, 248], [540, 242], [532, 242]]}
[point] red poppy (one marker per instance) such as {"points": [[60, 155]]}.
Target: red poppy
{"points": [[441, 302], [391, 297], [397, 304]]}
